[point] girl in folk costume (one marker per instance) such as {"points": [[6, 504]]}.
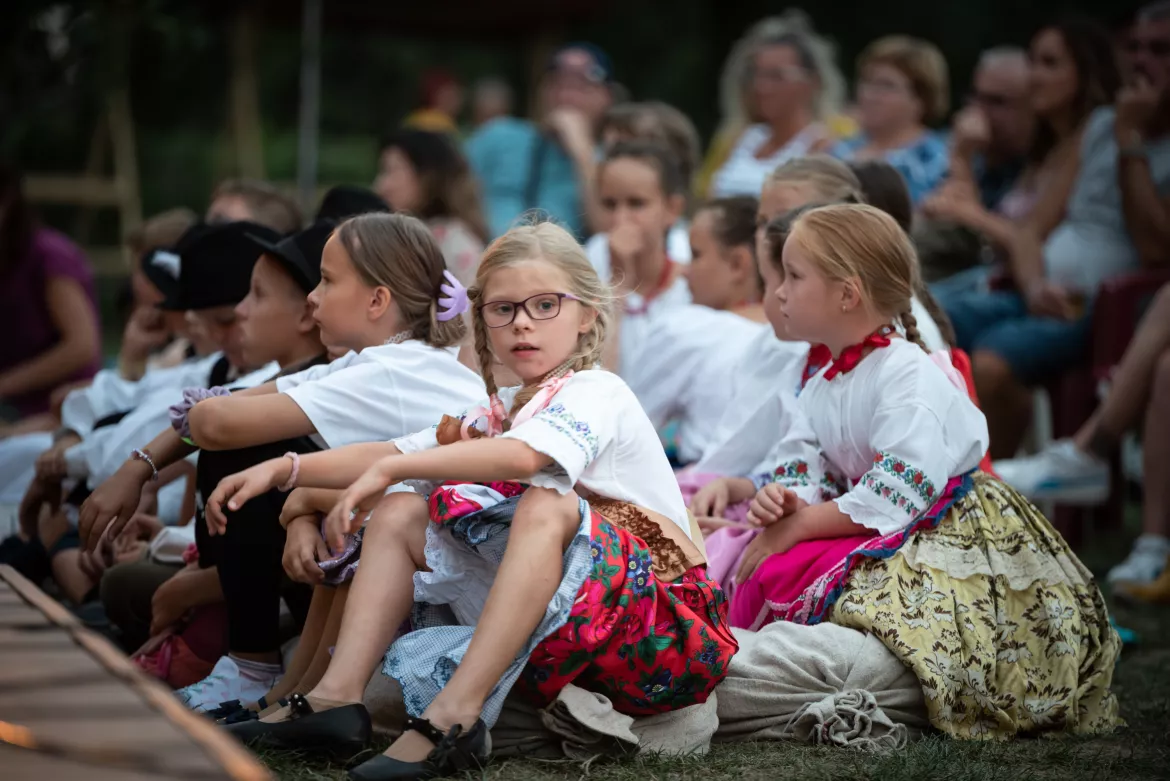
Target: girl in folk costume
{"points": [[722, 273], [559, 544], [664, 342], [771, 427], [893, 530]]}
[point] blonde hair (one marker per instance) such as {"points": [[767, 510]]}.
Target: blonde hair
{"points": [[268, 205], [553, 244], [921, 63], [399, 252], [733, 93], [857, 241], [831, 179]]}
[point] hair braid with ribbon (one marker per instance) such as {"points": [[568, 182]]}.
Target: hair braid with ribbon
{"points": [[553, 244]]}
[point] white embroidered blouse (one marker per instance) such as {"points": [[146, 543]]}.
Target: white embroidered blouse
{"points": [[682, 367], [762, 410], [599, 439], [893, 432]]}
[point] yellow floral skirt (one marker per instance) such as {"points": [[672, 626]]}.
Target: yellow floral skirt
{"points": [[1001, 622]]}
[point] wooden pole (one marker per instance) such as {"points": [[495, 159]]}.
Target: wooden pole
{"points": [[246, 128], [310, 110]]}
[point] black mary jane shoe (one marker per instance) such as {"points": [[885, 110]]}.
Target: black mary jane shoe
{"points": [[339, 733], [454, 752]]}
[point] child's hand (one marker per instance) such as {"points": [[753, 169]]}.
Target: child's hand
{"points": [[772, 503], [346, 517], [712, 499], [297, 505], [776, 538], [303, 548], [627, 242], [234, 491], [113, 503]]}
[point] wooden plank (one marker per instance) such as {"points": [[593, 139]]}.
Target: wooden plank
{"points": [[73, 190], [82, 710], [23, 765]]}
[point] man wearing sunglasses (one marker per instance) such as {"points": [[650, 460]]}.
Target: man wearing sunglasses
{"points": [[989, 144]]}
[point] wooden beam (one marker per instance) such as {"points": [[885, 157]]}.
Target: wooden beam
{"points": [[125, 159], [73, 190], [244, 95], [224, 751]]}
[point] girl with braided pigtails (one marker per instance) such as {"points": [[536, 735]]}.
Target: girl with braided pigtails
{"points": [[894, 530], [557, 549]]}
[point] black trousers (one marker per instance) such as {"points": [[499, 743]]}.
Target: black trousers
{"points": [[249, 554]]}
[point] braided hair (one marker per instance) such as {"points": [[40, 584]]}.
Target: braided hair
{"points": [[553, 244], [857, 241]]}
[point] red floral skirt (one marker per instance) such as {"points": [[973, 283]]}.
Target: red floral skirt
{"points": [[648, 646]]}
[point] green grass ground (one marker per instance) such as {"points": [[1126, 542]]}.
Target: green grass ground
{"points": [[1140, 751]]}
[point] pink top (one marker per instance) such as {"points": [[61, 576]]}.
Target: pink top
{"points": [[25, 321]]}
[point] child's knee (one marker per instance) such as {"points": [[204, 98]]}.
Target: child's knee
{"points": [[399, 519], [547, 510]]}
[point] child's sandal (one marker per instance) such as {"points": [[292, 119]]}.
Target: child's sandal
{"points": [[454, 752]]}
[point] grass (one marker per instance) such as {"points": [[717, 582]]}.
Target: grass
{"points": [[1140, 751]]}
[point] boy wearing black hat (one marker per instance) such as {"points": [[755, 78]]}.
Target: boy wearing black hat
{"points": [[275, 324], [215, 273]]}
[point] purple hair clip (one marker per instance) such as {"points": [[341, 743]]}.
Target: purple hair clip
{"points": [[453, 299]]}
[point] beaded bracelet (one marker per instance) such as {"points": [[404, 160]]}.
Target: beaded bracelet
{"points": [[291, 483], [142, 455]]}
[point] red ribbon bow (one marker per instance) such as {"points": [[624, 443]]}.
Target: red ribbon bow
{"points": [[851, 356], [818, 357]]}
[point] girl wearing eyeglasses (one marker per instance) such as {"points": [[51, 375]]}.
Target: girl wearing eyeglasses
{"points": [[557, 538]]}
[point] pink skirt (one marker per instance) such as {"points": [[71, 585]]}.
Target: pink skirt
{"points": [[803, 583]]}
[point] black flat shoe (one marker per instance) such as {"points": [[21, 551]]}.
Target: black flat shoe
{"points": [[339, 732], [455, 752]]}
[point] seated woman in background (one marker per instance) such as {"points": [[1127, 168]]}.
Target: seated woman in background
{"points": [[426, 175], [48, 300], [738, 105], [902, 87], [785, 85], [1072, 73]]}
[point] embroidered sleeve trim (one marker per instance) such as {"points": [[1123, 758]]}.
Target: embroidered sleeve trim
{"points": [[890, 494], [792, 473], [913, 478], [564, 422], [831, 486]]}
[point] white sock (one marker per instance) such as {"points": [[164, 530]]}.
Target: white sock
{"points": [[257, 671]]}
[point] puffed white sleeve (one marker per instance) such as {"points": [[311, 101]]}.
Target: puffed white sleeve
{"points": [[314, 373], [796, 460], [910, 469], [577, 425], [418, 441], [802, 467]]}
